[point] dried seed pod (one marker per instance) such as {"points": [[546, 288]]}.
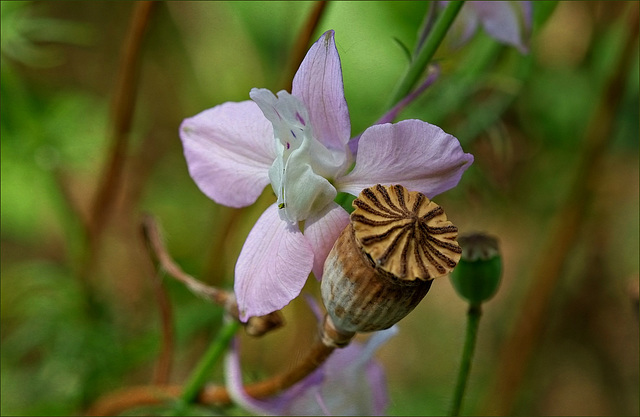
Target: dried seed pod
{"points": [[384, 261]]}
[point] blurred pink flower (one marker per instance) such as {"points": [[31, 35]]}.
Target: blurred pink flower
{"points": [[508, 22], [299, 143], [349, 383]]}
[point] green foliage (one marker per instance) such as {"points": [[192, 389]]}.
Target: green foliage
{"points": [[51, 350], [21, 31]]}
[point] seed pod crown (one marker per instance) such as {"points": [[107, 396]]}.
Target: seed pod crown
{"points": [[385, 260], [405, 234]]}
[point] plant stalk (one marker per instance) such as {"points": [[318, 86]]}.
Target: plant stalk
{"points": [[422, 59], [473, 320], [200, 375]]}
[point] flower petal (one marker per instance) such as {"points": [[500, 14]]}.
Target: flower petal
{"points": [[350, 382], [323, 230], [272, 267], [416, 154], [318, 83], [375, 373], [500, 20], [353, 384], [464, 27], [233, 380], [304, 191], [229, 150], [278, 405], [286, 113]]}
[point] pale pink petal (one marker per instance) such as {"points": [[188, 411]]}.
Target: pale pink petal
{"points": [[413, 153], [527, 15], [500, 20], [318, 83], [272, 267], [234, 383], [293, 401], [464, 26], [229, 150], [350, 382], [323, 230], [354, 383], [375, 373]]}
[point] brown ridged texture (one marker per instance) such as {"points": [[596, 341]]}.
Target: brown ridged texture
{"points": [[383, 263], [404, 233], [360, 299]]}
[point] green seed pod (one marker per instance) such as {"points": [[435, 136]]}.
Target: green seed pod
{"points": [[477, 276]]}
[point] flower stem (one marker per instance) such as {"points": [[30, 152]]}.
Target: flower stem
{"points": [[473, 319], [431, 44], [118, 402], [123, 106], [203, 369], [256, 326]]}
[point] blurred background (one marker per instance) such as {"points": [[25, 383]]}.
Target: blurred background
{"points": [[555, 138]]}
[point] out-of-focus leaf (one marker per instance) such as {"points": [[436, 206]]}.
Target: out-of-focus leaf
{"points": [[21, 32]]}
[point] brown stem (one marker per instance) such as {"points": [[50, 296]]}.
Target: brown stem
{"points": [[114, 403], [317, 356], [123, 105], [520, 346], [159, 252], [255, 326], [303, 41], [122, 114], [118, 402]]}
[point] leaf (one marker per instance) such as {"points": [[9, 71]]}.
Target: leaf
{"points": [[404, 48]]}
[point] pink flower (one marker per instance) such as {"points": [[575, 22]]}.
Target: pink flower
{"points": [[508, 22], [349, 383], [299, 143]]}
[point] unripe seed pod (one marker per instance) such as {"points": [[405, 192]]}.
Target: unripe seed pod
{"points": [[384, 261], [477, 277]]}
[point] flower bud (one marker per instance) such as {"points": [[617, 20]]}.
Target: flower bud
{"points": [[385, 260], [477, 276]]}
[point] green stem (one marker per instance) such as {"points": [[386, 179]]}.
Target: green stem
{"points": [[473, 319], [203, 370], [420, 61]]}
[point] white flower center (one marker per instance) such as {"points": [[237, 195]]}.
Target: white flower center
{"points": [[303, 166]]}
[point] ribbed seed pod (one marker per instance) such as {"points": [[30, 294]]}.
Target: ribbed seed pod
{"points": [[384, 261]]}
